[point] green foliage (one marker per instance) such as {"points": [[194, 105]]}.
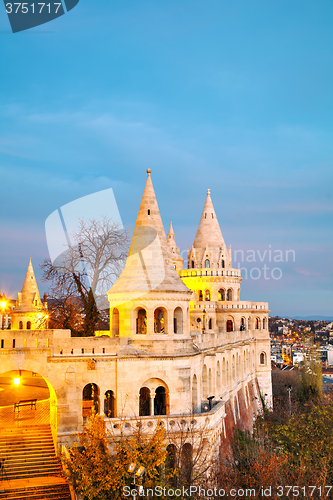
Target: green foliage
{"points": [[307, 441]]}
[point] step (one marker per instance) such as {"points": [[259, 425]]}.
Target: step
{"points": [[60, 492]]}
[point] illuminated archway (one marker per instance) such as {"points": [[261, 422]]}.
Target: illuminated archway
{"points": [[27, 398]]}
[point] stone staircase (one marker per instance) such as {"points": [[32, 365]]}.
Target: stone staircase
{"points": [[30, 464]]}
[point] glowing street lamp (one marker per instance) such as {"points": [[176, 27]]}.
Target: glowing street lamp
{"points": [[3, 305], [17, 380]]}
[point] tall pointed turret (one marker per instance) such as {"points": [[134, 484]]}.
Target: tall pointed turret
{"points": [[149, 273], [209, 248], [29, 293], [29, 312]]}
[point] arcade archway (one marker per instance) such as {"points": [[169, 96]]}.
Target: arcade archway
{"points": [[26, 400]]}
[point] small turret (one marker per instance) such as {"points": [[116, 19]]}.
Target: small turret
{"points": [[175, 253], [29, 312]]}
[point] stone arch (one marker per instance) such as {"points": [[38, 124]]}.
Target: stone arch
{"points": [[263, 358], [210, 324], [140, 315], [207, 263], [28, 325], [160, 320], [204, 382], [256, 323], [242, 324], [210, 382], [186, 463], [200, 295], [27, 384], [21, 325], [218, 378], [115, 322], [207, 295], [144, 402], [230, 324], [230, 294], [194, 392], [264, 321], [221, 294], [90, 399], [109, 404], [159, 396], [224, 374], [171, 462], [178, 326], [222, 263]]}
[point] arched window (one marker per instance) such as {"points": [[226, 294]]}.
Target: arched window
{"points": [[264, 323], [218, 378], [194, 393], [159, 320], [262, 358], [28, 325], [115, 322], [256, 323], [160, 401], [109, 404], [210, 382], [222, 263], [207, 263], [242, 325], [192, 264], [21, 325], [141, 322], [230, 325], [90, 397], [186, 463], [144, 402], [207, 295], [210, 324], [204, 382], [229, 294], [178, 320], [221, 294], [200, 295], [171, 462]]}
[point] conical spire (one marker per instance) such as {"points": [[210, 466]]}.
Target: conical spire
{"points": [[29, 292], [209, 249], [177, 260], [149, 265], [209, 232]]}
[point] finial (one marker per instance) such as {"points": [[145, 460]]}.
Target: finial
{"points": [[148, 171], [208, 192]]}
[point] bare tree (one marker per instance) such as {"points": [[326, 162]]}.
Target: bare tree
{"points": [[80, 277]]}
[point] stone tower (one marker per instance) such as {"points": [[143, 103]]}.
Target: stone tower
{"points": [[149, 300], [29, 313]]}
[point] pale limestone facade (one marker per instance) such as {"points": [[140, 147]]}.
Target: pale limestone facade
{"points": [[169, 348]]}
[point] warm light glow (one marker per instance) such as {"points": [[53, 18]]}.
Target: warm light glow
{"points": [[17, 381], [3, 304]]}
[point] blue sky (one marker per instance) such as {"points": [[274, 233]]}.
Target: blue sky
{"points": [[232, 96]]}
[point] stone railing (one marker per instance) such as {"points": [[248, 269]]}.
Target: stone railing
{"points": [[203, 272], [194, 422]]}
